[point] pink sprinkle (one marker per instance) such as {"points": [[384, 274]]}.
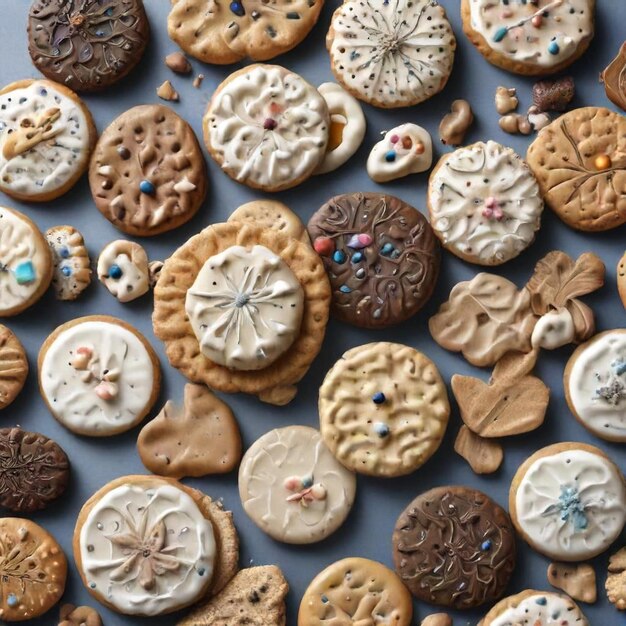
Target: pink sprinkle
{"points": [[365, 239], [394, 139], [491, 202], [487, 213], [359, 241], [270, 124]]}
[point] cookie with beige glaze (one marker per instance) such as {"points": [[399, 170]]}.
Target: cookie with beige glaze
{"points": [[72, 265], [273, 215], [615, 584], [577, 580], [79, 616], [123, 270], [13, 366], [383, 409]]}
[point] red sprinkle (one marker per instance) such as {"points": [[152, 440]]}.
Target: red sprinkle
{"points": [[270, 124], [324, 246]]}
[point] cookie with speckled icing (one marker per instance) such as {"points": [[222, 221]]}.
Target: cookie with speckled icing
{"points": [[123, 269], [72, 266]]}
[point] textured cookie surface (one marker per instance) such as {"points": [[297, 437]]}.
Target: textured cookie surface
{"points": [[13, 366], [72, 266], [273, 215], [71, 615], [616, 580]]}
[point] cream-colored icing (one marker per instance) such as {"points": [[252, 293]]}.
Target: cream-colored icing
{"points": [[132, 260], [553, 330], [276, 505], [77, 383], [53, 142], [572, 504], [542, 609], [147, 550], [485, 202], [269, 126], [72, 266], [245, 307]]}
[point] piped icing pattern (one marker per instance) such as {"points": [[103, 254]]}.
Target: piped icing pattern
{"points": [[545, 609]]}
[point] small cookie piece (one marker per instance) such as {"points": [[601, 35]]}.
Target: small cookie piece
{"points": [[147, 173], [79, 616], [615, 584], [166, 91], [568, 501], [379, 59], [515, 124], [506, 100], [362, 590], [614, 79], [123, 270], [405, 149], [273, 215], [33, 570], [154, 271], [537, 119], [98, 375], [381, 256], [310, 493], [454, 125], [483, 455], [72, 266], [554, 94], [454, 547], [178, 63], [621, 279], [437, 619], [577, 580], [13, 367], [383, 409], [25, 263], [484, 203], [199, 439]]}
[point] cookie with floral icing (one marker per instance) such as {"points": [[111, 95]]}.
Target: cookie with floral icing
{"points": [[72, 266], [13, 366], [391, 54], [123, 270], [484, 203]]}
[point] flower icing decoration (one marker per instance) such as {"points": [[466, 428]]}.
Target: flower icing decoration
{"points": [[304, 490]]}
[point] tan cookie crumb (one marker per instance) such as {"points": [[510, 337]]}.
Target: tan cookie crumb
{"points": [[167, 92], [178, 63], [577, 580], [616, 580], [197, 81]]}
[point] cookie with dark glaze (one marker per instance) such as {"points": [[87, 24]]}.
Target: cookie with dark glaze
{"points": [[614, 79], [87, 45], [455, 547], [381, 256]]}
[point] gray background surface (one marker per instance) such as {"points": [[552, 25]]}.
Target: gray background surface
{"points": [[367, 531]]}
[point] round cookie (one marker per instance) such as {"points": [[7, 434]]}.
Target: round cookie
{"points": [[72, 266], [454, 547], [123, 270], [383, 409], [273, 215], [227, 32], [33, 570], [13, 367], [46, 137], [87, 45], [580, 163], [484, 203], [381, 256], [34, 470], [293, 488], [25, 263], [98, 375], [267, 128], [394, 54], [568, 501], [147, 173], [365, 590], [529, 37]]}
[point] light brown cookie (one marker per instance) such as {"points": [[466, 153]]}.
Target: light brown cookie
{"points": [[483, 455], [147, 172], [615, 584], [454, 125], [437, 619], [72, 266], [13, 366], [577, 580], [79, 616], [360, 591], [33, 570], [621, 279], [273, 215], [198, 439], [123, 269]]}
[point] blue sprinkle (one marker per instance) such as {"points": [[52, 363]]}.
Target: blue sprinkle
{"points": [[43, 92], [381, 429], [145, 186], [387, 249], [500, 34], [109, 11], [324, 599], [620, 367], [378, 397], [12, 600], [307, 482], [93, 585], [345, 289], [390, 157], [354, 55], [25, 273], [553, 47], [201, 571], [486, 545], [339, 256], [357, 257], [22, 100], [99, 33], [64, 252], [395, 254], [542, 601], [115, 272], [66, 270], [237, 8]]}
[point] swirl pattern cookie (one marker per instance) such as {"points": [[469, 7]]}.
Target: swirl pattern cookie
{"points": [[484, 203], [13, 367], [391, 54], [72, 266], [123, 270]]}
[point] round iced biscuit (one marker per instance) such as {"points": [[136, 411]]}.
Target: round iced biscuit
{"points": [[293, 488], [273, 215], [123, 270], [383, 409], [568, 501], [98, 375], [13, 366], [394, 54], [484, 203], [72, 266], [365, 590]]}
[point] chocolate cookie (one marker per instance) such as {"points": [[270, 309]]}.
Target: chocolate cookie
{"points": [[381, 256], [455, 547], [87, 45], [34, 470]]}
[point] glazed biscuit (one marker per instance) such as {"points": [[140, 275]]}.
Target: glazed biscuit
{"points": [[13, 366], [123, 269], [72, 266]]}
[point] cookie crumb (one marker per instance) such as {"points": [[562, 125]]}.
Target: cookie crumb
{"points": [[577, 580], [178, 63], [455, 124], [553, 95], [197, 81], [506, 100], [515, 124], [167, 92]]}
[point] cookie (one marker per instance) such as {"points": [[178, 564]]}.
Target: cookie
{"points": [[484, 203], [391, 55], [33, 570], [383, 409], [455, 124], [568, 501], [506, 100], [529, 38], [147, 173], [267, 128], [79, 616], [405, 149], [72, 266], [483, 455], [98, 375], [123, 270], [310, 493], [25, 263], [362, 590], [199, 439], [614, 79], [381, 256], [87, 45], [46, 137], [580, 163], [616, 580], [621, 279], [554, 94], [34, 470], [595, 384], [13, 367], [454, 547], [577, 580]]}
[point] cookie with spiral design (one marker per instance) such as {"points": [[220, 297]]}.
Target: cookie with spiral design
{"points": [[13, 367]]}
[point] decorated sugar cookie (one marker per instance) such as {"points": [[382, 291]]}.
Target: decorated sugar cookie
{"points": [[13, 366], [123, 270], [72, 266]]}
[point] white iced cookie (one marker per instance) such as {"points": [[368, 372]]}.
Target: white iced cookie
{"points": [[98, 376], [391, 54], [245, 307], [404, 150], [123, 270], [568, 501], [347, 127], [72, 266], [484, 203], [267, 127]]}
